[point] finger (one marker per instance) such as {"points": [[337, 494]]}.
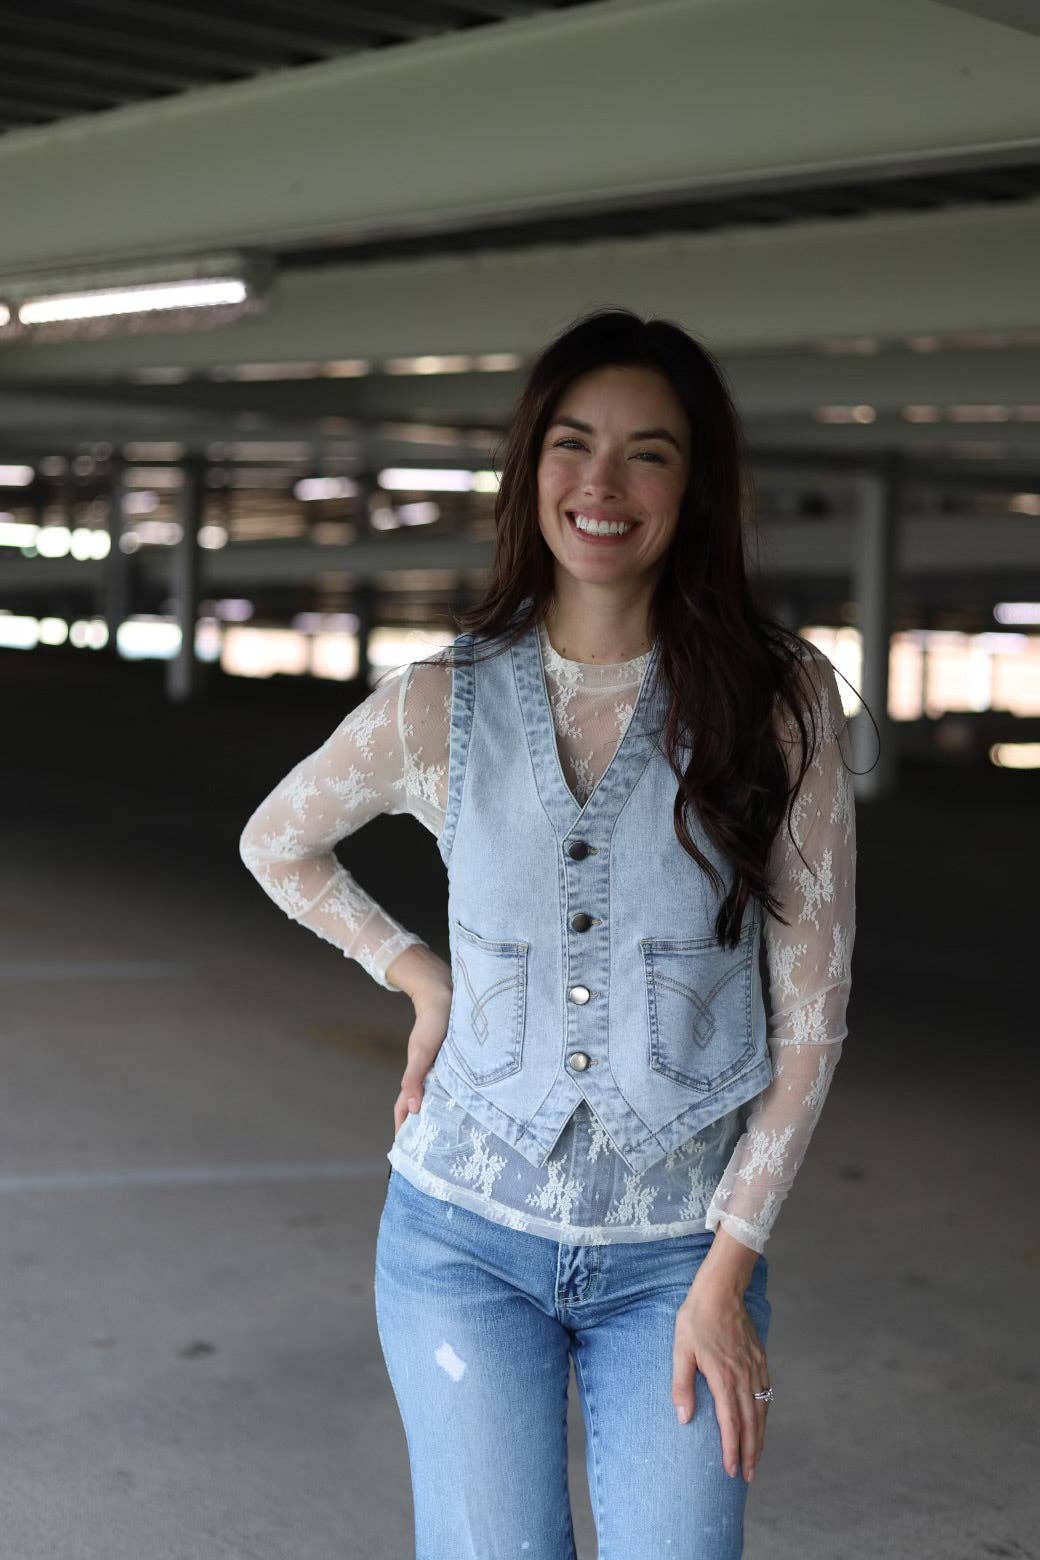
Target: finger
{"points": [[760, 1375], [412, 1090], [750, 1425], [684, 1369], [728, 1416]]}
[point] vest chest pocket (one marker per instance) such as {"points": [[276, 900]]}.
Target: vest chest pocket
{"points": [[486, 1028], [698, 1003]]}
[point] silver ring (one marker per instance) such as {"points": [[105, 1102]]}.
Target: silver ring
{"points": [[766, 1396]]}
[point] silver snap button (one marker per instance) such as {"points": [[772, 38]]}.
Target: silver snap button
{"points": [[579, 1061], [579, 993]]}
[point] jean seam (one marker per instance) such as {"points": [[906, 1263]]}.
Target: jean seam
{"points": [[601, 1553]]}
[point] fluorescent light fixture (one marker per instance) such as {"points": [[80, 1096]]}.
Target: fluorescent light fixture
{"points": [[90, 542], [171, 293], [53, 541], [88, 634], [311, 488], [106, 302], [429, 363], [422, 513], [16, 476], [265, 371], [18, 633], [971, 414], [17, 533], [157, 533], [418, 480], [231, 609], [142, 502], [1015, 755], [410, 479], [53, 631], [845, 414]]}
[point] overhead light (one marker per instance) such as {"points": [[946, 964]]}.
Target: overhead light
{"points": [[845, 414], [109, 301], [422, 513], [16, 476], [429, 363], [311, 488], [103, 300], [1017, 611], [430, 480]]}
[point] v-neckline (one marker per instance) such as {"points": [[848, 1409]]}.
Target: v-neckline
{"points": [[541, 730]]}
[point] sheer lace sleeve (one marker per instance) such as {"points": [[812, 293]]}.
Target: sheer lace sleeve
{"points": [[809, 964], [388, 756]]}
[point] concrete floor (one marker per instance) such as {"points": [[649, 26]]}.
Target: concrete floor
{"points": [[197, 1102]]}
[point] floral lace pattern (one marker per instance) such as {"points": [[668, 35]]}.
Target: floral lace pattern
{"points": [[390, 755]]}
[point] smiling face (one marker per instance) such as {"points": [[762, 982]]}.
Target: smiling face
{"points": [[617, 449]]}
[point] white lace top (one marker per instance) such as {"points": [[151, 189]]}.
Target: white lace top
{"points": [[390, 755]]}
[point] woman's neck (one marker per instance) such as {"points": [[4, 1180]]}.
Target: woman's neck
{"points": [[597, 637]]}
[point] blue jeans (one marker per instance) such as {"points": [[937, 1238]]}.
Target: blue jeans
{"points": [[478, 1324]]}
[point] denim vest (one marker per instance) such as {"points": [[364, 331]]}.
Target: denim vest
{"points": [[582, 952]]}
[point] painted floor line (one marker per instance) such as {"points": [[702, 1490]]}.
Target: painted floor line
{"points": [[195, 1175]]}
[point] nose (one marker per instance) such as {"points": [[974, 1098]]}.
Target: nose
{"points": [[601, 473]]}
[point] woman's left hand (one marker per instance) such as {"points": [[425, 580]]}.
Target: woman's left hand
{"points": [[715, 1335]]}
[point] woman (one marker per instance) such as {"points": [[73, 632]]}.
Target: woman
{"points": [[634, 779]]}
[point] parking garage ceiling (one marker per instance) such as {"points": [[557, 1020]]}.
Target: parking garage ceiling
{"points": [[66, 58], [843, 202]]}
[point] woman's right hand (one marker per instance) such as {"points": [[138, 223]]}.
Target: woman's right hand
{"points": [[427, 981]]}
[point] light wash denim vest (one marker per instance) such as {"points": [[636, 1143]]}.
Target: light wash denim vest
{"points": [[581, 938]]}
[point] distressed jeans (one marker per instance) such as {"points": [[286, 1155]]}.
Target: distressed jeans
{"points": [[478, 1323]]}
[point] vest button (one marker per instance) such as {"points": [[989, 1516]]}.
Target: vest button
{"points": [[579, 993], [580, 922], [577, 850], [578, 1060]]}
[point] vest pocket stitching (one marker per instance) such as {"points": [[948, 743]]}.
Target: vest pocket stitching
{"points": [[667, 1051], [508, 1042]]}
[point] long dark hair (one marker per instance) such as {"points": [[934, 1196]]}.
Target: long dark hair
{"points": [[726, 662]]}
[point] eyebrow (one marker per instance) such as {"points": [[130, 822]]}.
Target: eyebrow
{"points": [[642, 433]]}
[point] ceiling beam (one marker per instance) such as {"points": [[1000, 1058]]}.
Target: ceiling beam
{"points": [[765, 384], [671, 96], [889, 275]]}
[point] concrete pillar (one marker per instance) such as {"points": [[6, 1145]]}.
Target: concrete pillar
{"points": [[364, 598], [182, 672], [873, 578], [364, 605], [116, 592]]}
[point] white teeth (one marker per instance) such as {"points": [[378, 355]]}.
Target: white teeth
{"points": [[602, 527]]}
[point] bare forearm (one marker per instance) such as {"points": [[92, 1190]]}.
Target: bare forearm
{"points": [[419, 969], [728, 1265]]}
